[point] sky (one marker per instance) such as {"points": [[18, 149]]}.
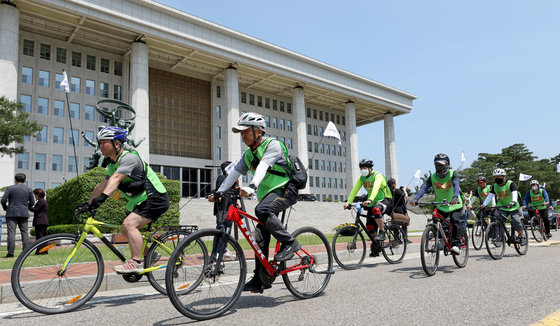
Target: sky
{"points": [[486, 73]]}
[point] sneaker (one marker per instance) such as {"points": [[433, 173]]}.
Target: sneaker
{"points": [[287, 251], [548, 235], [455, 250], [374, 254], [523, 241], [380, 236], [8, 256], [255, 285], [408, 241], [130, 266]]}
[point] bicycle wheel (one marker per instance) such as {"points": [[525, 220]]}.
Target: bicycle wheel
{"points": [[429, 253], [521, 248], [536, 230], [315, 253], [158, 255], [462, 258], [40, 286], [477, 235], [394, 246], [495, 240], [196, 286], [349, 247]]}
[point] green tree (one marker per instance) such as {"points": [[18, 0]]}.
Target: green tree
{"points": [[14, 125]]}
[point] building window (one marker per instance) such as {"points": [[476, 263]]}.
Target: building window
{"points": [[322, 149], [219, 153], [58, 108], [44, 77], [332, 117], [311, 182], [26, 100], [344, 151], [251, 99], [73, 137], [90, 62], [275, 105], [339, 151], [61, 55], [343, 134], [42, 135], [76, 59], [309, 146], [243, 97], [281, 106], [89, 135], [43, 105], [58, 135], [329, 183], [320, 115], [289, 122], [309, 129], [57, 80], [27, 75], [282, 125], [74, 110], [314, 114], [267, 119], [117, 92], [218, 91], [45, 51], [337, 119], [90, 87], [343, 121], [290, 146], [322, 165], [259, 101], [329, 166], [219, 132], [57, 163], [317, 184], [267, 103], [275, 123], [23, 161], [40, 161], [72, 166], [86, 164], [315, 131], [308, 112], [218, 112], [105, 65], [328, 149], [310, 165], [88, 113], [117, 68], [321, 131], [316, 145], [334, 166], [289, 107], [28, 48], [323, 185], [75, 84], [103, 89]]}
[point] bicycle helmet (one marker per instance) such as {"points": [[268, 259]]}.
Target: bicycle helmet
{"points": [[442, 159], [250, 119], [366, 163], [112, 133], [534, 182], [481, 179], [499, 172]]}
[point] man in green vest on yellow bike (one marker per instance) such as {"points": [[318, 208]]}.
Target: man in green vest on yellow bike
{"points": [[506, 193], [481, 192], [445, 183], [267, 159], [539, 200], [379, 198], [132, 178]]}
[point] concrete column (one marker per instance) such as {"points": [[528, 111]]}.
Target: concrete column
{"points": [[391, 170], [231, 110], [139, 97], [300, 138], [352, 156], [9, 52]]}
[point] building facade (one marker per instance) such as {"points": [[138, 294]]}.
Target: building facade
{"points": [[189, 80]]}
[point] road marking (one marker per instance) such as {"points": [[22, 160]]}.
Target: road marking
{"points": [[551, 320]]}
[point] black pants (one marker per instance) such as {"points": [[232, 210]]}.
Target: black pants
{"points": [[543, 213], [267, 212], [385, 206], [456, 218], [40, 232]]}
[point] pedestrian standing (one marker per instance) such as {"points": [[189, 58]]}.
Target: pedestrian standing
{"points": [[40, 219], [400, 198], [17, 201]]}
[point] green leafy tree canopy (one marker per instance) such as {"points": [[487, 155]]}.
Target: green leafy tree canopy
{"points": [[14, 125]]}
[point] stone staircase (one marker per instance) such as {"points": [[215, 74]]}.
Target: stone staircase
{"points": [[4, 233]]}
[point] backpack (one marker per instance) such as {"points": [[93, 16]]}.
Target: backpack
{"points": [[299, 173]]}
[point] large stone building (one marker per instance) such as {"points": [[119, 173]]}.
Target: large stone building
{"points": [[188, 80]]}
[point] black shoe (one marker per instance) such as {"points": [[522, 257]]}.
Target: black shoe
{"points": [[408, 241], [287, 251], [374, 254], [548, 235], [380, 236], [255, 286], [9, 256]]}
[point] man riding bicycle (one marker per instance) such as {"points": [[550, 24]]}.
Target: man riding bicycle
{"points": [[445, 183], [506, 192], [539, 200], [481, 192], [133, 179], [379, 198], [267, 159]]}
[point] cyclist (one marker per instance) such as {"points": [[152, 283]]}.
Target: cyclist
{"points": [[539, 200], [481, 192], [506, 193], [135, 180], [379, 198], [445, 183], [267, 159]]}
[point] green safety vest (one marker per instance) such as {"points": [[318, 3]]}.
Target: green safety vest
{"points": [[537, 201], [443, 189], [505, 196], [134, 200], [384, 191], [276, 176], [483, 193]]}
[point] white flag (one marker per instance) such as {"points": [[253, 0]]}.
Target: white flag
{"points": [[544, 185], [558, 167], [230, 167], [417, 174], [463, 159], [332, 131], [64, 82], [524, 177]]}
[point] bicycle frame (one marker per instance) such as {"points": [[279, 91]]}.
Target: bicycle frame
{"points": [[358, 223], [437, 220]]}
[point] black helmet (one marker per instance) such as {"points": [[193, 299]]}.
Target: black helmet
{"points": [[441, 158], [366, 163], [224, 165], [481, 178]]}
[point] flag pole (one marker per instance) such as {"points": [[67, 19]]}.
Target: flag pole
{"points": [[67, 89]]}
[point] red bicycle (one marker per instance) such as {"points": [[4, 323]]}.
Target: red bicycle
{"points": [[537, 225], [436, 238], [210, 266]]}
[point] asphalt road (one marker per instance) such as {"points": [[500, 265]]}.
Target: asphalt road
{"points": [[517, 290]]}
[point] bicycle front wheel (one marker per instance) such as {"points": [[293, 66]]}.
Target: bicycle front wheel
{"points": [[495, 240], [521, 245], [39, 283], [536, 230], [198, 287], [394, 246], [477, 235], [349, 247], [308, 272], [429, 253], [462, 258]]}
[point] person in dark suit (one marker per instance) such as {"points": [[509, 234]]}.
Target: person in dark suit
{"points": [[17, 201], [40, 219]]}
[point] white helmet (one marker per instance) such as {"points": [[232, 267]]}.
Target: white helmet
{"points": [[499, 172], [534, 182], [250, 119]]}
